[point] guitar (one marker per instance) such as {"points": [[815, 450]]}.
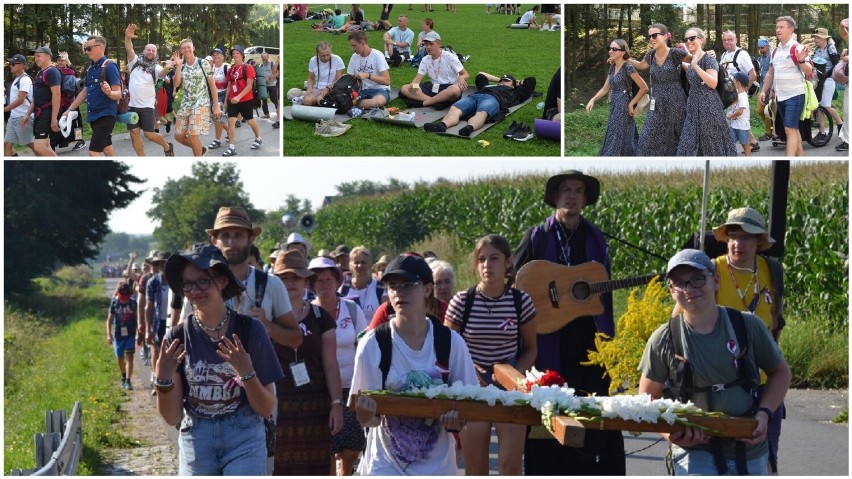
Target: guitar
{"points": [[562, 293]]}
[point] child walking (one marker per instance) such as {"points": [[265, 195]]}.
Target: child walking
{"points": [[738, 114]]}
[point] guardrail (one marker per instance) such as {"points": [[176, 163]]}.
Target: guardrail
{"points": [[58, 450]]}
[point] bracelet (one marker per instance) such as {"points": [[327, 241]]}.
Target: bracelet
{"points": [[767, 411], [248, 376], [164, 389], [163, 382], [337, 401]]}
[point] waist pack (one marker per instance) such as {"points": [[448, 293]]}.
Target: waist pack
{"points": [[342, 94]]}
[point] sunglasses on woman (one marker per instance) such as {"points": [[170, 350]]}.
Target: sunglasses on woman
{"points": [[616, 49], [654, 35], [689, 39]]}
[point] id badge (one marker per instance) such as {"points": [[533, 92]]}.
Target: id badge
{"points": [[300, 373], [235, 87], [124, 332], [435, 88], [653, 104], [186, 423]]}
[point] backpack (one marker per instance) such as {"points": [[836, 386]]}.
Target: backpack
{"points": [[124, 102], [468, 307], [70, 87], [342, 94], [442, 341], [347, 286], [725, 88], [63, 102], [748, 378], [752, 89]]}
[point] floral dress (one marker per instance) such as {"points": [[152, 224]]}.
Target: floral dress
{"points": [[705, 131], [661, 131], [621, 134]]}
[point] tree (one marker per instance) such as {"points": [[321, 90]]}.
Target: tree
{"points": [[57, 213], [187, 206]]}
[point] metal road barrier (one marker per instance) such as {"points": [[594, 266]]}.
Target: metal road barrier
{"points": [[58, 450]]}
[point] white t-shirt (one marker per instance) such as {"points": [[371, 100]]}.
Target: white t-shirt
{"points": [[348, 329], [374, 63], [219, 77], [141, 84], [24, 84], [425, 447], [528, 17], [787, 77], [368, 297], [324, 74], [741, 122], [443, 71], [275, 301], [743, 60]]}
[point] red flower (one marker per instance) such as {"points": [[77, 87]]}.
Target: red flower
{"points": [[552, 378]]}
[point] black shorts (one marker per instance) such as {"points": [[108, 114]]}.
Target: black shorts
{"points": [[41, 127], [548, 8], [146, 119], [384, 15], [426, 88], [244, 108], [273, 94], [101, 133]]}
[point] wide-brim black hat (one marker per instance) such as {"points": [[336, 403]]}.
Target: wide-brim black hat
{"points": [[593, 186], [203, 256]]}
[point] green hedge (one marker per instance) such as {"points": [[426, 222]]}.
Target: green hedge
{"points": [[657, 211]]}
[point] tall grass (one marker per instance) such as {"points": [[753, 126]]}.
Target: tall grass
{"points": [[55, 354]]}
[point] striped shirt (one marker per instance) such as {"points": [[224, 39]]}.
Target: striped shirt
{"points": [[491, 332], [787, 75]]}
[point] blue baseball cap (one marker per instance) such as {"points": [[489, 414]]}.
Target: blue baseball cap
{"points": [[742, 78], [762, 42], [691, 257], [17, 58]]}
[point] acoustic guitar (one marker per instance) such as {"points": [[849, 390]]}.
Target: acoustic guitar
{"points": [[562, 293]]}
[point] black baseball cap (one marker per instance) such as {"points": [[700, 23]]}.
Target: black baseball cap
{"points": [[410, 268], [17, 58]]}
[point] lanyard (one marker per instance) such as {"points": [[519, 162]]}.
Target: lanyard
{"points": [[752, 306], [563, 244], [437, 70]]}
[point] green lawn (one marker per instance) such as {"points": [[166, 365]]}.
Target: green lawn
{"points": [[493, 48]]}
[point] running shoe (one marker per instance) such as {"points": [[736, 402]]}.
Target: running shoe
{"points": [[523, 133], [842, 147]]}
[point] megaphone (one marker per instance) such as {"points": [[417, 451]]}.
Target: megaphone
{"points": [[308, 223]]}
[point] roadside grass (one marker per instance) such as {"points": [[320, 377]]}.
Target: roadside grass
{"points": [[87, 129], [843, 416], [55, 354], [817, 354], [493, 48], [584, 131]]}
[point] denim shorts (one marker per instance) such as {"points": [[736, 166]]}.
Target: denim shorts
{"points": [[125, 345], [700, 462], [477, 102], [740, 136], [368, 93], [233, 445], [790, 110]]}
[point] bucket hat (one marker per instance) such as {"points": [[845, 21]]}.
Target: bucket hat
{"points": [[233, 216], [203, 256], [293, 261], [320, 263], [751, 222], [593, 186]]}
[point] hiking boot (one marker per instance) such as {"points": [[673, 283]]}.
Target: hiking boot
{"points": [[171, 150], [765, 137], [438, 127], [214, 145], [257, 144], [842, 147], [80, 144]]}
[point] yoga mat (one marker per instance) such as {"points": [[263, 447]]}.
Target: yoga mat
{"points": [[287, 111], [520, 25], [129, 118], [548, 129], [454, 131], [311, 113]]}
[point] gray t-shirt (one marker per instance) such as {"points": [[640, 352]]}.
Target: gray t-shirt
{"points": [[713, 363]]}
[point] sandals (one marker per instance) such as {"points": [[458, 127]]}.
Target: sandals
{"points": [[215, 144], [231, 151], [171, 150]]}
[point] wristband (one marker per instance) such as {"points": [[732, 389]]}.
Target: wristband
{"points": [[337, 401], [767, 411], [248, 376], [163, 382]]}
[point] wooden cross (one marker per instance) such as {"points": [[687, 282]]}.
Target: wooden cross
{"points": [[567, 430]]}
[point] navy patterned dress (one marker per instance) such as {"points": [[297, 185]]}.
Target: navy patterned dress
{"points": [[661, 131], [705, 131], [621, 135]]}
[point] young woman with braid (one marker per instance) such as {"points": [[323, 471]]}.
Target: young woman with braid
{"points": [[324, 69]]}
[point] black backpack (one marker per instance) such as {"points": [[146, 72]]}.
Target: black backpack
{"points": [[442, 342], [342, 93], [752, 89], [468, 307], [725, 88]]}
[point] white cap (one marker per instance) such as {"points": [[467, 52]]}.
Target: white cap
{"points": [[297, 238]]}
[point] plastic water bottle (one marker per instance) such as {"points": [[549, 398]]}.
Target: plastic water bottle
{"points": [[540, 105]]}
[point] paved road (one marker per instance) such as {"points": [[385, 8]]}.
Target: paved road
{"points": [[767, 150], [123, 146]]}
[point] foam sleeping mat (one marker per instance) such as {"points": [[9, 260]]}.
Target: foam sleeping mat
{"points": [[287, 113], [454, 131]]}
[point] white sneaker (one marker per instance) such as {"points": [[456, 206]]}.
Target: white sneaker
{"points": [[330, 128]]}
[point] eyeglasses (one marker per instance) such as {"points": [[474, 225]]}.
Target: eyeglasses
{"points": [[697, 282], [202, 283], [402, 287], [689, 39], [654, 35], [616, 49]]}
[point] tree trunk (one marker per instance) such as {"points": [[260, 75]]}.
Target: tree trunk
{"points": [[735, 9], [699, 14], [630, 25], [753, 28], [620, 21], [717, 42]]}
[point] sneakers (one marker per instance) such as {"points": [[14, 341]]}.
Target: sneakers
{"points": [[514, 126], [379, 112], [257, 144], [80, 144], [522, 133], [820, 137], [171, 150], [128, 385], [765, 137], [214, 145], [123, 383], [230, 151], [277, 124], [842, 147], [265, 117], [238, 124], [168, 126], [330, 128], [438, 127]]}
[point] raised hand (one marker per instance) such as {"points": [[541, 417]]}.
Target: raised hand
{"points": [[130, 31]]}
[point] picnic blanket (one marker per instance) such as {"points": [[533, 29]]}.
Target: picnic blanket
{"points": [[287, 111]]}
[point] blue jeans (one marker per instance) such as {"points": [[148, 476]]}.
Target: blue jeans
{"points": [[233, 445], [477, 102], [791, 110], [368, 93], [700, 463]]}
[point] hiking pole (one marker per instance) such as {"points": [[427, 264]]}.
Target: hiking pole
{"points": [[704, 196]]}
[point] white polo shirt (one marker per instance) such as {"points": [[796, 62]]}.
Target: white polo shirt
{"points": [[787, 76]]}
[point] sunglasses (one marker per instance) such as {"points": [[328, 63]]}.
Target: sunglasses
{"points": [[689, 39], [654, 35], [616, 49], [88, 49]]}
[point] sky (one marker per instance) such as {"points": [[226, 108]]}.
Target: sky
{"points": [[268, 181]]}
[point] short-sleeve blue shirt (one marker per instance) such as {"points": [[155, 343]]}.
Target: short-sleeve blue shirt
{"points": [[99, 105]]}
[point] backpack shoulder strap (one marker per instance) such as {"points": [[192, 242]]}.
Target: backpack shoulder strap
{"points": [[737, 65], [243, 329], [683, 375], [776, 272], [353, 310], [443, 338], [468, 306], [380, 291], [260, 281], [383, 337]]}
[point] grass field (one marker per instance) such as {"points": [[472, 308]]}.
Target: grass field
{"points": [[493, 48]]}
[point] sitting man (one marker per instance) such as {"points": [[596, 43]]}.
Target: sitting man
{"points": [[448, 77], [370, 66], [489, 104], [398, 42]]}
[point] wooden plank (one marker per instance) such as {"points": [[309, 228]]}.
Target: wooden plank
{"points": [[508, 376], [469, 410]]}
